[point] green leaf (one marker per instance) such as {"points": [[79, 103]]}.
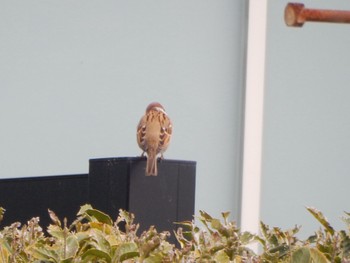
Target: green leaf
{"points": [[99, 216], [129, 255], [42, 253], [105, 228], [94, 254], [55, 231], [82, 236], [67, 260], [312, 239], [216, 224], [205, 216], [322, 219], [126, 217], [127, 250], [264, 231], [225, 216], [302, 255], [345, 243], [72, 246], [101, 242], [281, 250], [2, 212], [326, 249], [155, 258], [54, 218], [222, 257], [247, 237], [346, 219], [317, 256], [83, 209], [187, 224], [5, 250], [215, 249]]}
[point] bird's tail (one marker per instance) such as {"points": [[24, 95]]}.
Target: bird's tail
{"points": [[151, 167]]}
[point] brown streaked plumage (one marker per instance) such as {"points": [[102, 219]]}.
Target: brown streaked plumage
{"points": [[153, 135]]}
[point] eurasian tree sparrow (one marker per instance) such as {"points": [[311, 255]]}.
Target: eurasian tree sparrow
{"points": [[153, 135]]}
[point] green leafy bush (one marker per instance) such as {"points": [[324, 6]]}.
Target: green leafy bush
{"points": [[94, 237]]}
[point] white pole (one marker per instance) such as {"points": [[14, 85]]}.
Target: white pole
{"points": [[253, 123]]}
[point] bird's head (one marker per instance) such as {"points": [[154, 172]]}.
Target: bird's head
{"points": [[155, 106]]}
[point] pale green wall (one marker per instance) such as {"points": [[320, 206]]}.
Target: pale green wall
{"points": [[76, 77], [306, 146]]}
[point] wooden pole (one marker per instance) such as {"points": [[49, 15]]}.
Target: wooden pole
{"points": [[296, 15]]}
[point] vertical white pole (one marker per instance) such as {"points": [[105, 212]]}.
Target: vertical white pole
{"points": [[253, 126]]}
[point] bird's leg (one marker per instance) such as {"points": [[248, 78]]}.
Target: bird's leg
{"points": [[143, 154]]}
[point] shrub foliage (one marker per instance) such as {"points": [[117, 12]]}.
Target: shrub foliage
{"points": [[94, 237]]}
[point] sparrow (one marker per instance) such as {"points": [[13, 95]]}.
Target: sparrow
{"points": [[153, 135]]}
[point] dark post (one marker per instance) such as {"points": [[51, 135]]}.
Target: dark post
{"points": [[161, 200]]}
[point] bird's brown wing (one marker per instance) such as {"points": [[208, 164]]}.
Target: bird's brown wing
{"points": [[141, 132], [165, 132]]}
